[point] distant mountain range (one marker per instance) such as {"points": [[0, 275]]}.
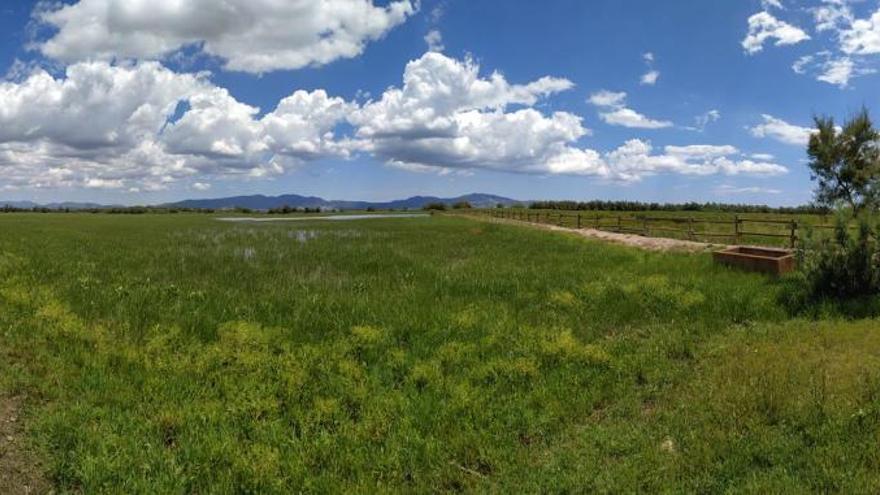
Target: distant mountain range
{"points": [[260, 202]]}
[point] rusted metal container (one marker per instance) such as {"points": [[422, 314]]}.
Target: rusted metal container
{"points": [[757, 259]]}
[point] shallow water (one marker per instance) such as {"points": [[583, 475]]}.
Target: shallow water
{"points": [[328, 217]]}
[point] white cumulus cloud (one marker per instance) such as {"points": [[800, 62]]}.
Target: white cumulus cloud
{"points": [[150, 129], [763, 26], [434, 39], [606, 98], [862, 36], [650, 78], [836, 69], [781, 131], [615, 112], [248, 35], [636, 159], [775, 4], [727, 189], [447, 116], [103, 125], [702, 121]]}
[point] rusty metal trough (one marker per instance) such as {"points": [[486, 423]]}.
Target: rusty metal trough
{"points": [[757, 259]]}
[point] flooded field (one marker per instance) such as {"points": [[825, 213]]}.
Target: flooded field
{"points": [[336, 218]]}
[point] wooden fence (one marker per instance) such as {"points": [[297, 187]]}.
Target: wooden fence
{"points": [[737, 230]]}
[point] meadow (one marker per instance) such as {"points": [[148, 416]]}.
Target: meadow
{"points": [[180, 354]]}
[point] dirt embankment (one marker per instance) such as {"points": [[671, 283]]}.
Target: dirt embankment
{"points": [[649, 243]]}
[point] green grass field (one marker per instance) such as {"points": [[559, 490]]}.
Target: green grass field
{"points": [[179, 354]]}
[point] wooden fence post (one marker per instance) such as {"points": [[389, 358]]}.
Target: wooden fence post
{"points": [[645, 227], [736, 235], [794, 229], [597, 222], [691, 235], [579, 221], [619, 225]]}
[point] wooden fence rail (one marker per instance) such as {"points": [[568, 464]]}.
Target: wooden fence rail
{"points": [[786, 232]]}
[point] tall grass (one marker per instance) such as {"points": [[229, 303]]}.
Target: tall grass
{"points": [[180, 354]]}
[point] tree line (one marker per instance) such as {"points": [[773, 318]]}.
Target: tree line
{"points": [[116, 210], [598, 205]]}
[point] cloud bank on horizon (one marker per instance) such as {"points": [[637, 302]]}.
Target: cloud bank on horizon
{"points": [[102, 106]]}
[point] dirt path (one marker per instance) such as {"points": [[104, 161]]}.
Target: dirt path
{"points": [[642, 242], [20, 474]]}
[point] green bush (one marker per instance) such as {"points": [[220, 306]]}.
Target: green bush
{"points": [[435, 206], [461, 205], [839, 268]]}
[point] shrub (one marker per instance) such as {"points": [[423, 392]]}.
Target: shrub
{"points": [[837, 268], [435, 206], [461, 205]]}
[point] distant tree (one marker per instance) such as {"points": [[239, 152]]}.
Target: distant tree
{"points": [[435, 207], [846, 162], [461, 205]]}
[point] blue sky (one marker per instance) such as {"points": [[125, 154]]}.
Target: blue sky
{"points": [[144, 103]]}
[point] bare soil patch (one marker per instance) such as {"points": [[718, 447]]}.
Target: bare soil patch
{"points": [[20, 473]]}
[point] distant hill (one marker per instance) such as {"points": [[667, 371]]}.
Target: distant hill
{"points": [[260, 202], [55, 206]]}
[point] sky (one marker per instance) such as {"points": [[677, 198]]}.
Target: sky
{"points": [[149, 101]]}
